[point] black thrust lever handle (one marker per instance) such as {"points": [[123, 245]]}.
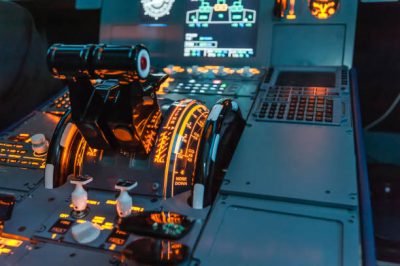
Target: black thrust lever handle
{"points": [[112, 92]]}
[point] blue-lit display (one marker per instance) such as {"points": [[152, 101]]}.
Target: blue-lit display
{"points": [[212, 24]]}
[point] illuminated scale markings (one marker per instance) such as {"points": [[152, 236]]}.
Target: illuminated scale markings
{"points": [[176, 148], [187, 146], [178, 145]]}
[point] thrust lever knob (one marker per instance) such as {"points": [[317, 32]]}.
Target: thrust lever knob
{"points": [[79, 196], [124, 201]]}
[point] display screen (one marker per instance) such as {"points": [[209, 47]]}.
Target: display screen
{"points": [[221, 28], [306, 79]]}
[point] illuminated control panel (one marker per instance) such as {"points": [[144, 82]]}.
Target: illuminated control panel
{"points": [[59, 105], [212, 80], [102, 214], [20, 154], [210, 26]]}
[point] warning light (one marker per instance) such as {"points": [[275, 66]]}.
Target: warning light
{"points": [[323, 9]]}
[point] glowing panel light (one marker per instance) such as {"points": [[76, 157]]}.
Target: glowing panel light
{"points": [[323, 9], [10, 242], [64, 215], [4, 250], [291, 15]]}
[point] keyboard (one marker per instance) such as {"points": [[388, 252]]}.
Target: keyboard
{"points": [[310, 105], [59, 105]]}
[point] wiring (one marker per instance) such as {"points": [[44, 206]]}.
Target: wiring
{"points": [[385, 115]]}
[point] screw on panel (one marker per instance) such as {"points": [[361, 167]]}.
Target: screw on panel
{"points": [[227, 181], [41, 229], [155, 186], [21, 228]]}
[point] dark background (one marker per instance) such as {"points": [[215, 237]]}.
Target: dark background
{"points": [[377, 60]]}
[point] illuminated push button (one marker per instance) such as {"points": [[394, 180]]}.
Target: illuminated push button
{"points": [[39, 144], [86, 232]]}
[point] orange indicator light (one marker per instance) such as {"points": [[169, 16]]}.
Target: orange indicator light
{"points": [[93, 202], [111, 202], [63, 215], [10, 242], [323, 9], [137, 209], [5, 251]]}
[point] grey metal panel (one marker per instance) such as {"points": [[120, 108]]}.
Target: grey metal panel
{"points": [[61, 255], [19, 179], [295, 162], [245, 231]]}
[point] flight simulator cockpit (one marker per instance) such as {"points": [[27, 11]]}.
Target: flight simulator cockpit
{"points": [[198, 132]]}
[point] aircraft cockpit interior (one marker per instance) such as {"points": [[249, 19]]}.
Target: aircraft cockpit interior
{"points": [[199, 132]]}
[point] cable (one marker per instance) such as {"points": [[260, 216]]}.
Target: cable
{"points": [[385, 115]]}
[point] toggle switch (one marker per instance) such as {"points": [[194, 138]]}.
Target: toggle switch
{"points": [[79, 196], [124, 200], [292, 14]]}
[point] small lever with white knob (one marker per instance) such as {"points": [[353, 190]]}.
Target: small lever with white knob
{"points": [[124, 201], [39, 144], [79, 196]]}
